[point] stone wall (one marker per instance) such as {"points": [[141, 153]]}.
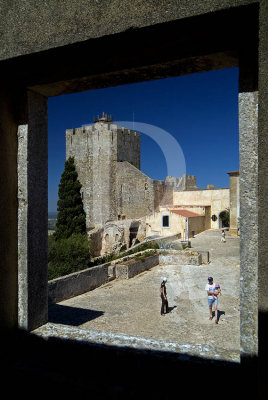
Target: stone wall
{"points": [[77, 283], [234, 202], [134, 267], [95, 236], [97, 149], [125, 268], [186, 182], [180, 258], [196, 225], [135, 192], [163, 194], [128, 145]]}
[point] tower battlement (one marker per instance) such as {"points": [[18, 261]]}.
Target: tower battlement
{"points": [[97, 149]]}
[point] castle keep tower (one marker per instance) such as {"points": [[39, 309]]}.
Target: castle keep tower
{"points": [[97, 149]]}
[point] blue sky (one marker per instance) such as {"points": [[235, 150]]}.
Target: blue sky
{"points": [[200, 111]]}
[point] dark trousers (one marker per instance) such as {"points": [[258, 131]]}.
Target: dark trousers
{"points": [[164, 305]]}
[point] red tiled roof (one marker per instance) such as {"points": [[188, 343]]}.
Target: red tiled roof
{"points": [[190, 205], [186, 213]]}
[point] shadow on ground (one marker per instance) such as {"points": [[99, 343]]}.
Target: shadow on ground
{"points": [[74, 316], [70, 368]]}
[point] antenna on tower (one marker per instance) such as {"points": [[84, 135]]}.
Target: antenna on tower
{"points": [[133, 122]]}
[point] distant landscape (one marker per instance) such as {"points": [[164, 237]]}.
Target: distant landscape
{"points": [[52, 219]]}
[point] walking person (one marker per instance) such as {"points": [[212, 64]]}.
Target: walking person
{"points": [[163, 295], [223, 236], [212, 298]]}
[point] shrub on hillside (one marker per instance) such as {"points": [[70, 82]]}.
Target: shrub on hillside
{"points": [[66, 256]]}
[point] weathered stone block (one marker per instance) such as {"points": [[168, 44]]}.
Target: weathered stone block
{"points": [[135, 267]]}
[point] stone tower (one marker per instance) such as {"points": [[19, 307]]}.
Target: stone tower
{"points": [[97, 149]]}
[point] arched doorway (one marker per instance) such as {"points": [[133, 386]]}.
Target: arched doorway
{"points": [[224, 219]]}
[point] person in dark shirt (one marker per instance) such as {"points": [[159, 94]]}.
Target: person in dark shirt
{"points": [[163, 295]]}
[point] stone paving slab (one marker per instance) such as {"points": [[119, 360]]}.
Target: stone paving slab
{"points": [[127, 312]]}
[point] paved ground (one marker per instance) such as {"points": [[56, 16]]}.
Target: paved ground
{"points": [[128, 312]]}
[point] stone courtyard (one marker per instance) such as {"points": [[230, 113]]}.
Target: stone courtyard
{"points": [[127, 312]]}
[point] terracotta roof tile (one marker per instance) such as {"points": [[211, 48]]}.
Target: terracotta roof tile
{"points": [[186, 213]]}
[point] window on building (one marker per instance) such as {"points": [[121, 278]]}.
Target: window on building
{"points": [[165, 221]]}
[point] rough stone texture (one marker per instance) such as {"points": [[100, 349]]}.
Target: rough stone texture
{"points": [[95, 236], [189, 258], [42, 26], [135, 192], [234, 202], [186, 182], [133, 267], [248, 123], [119, 235], [32, 215], [263, 195], [97, 150], [113, 239], [22, 226], [77, 283]]}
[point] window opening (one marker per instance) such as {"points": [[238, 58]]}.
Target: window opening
{"points": [[165, 221]]}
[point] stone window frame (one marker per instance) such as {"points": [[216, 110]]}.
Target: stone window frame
{"points": [[32, 238]]}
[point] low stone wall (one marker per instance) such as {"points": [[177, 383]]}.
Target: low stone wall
{"points": [[204, 256], [180, 257], [125, 268], [135, 267], [77, 283], [162, 239]]}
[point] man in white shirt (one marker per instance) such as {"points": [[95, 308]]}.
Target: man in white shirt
{"points": [[212, 298]]}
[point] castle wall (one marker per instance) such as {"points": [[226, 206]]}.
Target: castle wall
{"points": [[163, 194], [96, 150], [103, 179], [79, 146], [135, 192], [128, 146], [186, 182]]}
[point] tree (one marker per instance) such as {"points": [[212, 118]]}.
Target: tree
{"points": [[66, 256], [71, 217], [69, 247]]}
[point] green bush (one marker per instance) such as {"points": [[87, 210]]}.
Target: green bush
{"points": [[72, 254], [143, 256], [142, 247], [66, 256]]}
